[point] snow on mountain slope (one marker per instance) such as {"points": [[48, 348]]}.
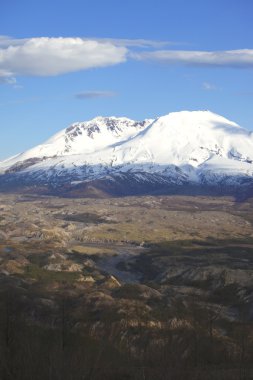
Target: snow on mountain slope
{"points": [[182, 138], [188, 146], [83, 138]]}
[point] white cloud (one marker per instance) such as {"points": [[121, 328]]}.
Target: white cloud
{"points": [[54, 56], [45, 56], [6, 41], [228, 58]]}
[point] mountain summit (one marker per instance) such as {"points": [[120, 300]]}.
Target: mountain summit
{"points": [[183, 150]]}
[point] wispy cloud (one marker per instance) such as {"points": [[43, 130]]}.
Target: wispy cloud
{"points": [[46, 56], [6, 78], [54, 56], [95, 94], [50, 56], [140, 43], [227, 58], [6, 41], [209, 86]]}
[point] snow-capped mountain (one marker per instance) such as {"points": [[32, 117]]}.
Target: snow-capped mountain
{"points": [[84, 138], [197, 148]]}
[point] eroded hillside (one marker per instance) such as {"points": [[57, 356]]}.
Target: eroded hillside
{"points": [[126, 288]]}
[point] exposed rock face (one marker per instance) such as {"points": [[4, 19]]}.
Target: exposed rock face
{"points": [[188, 152]]}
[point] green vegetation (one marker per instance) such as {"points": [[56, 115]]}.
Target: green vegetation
{"points": [[34, 272], [85, 217]]}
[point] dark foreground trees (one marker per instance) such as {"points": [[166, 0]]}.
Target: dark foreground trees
{"points": [[41, 340]]}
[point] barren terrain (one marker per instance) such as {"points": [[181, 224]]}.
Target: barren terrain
{"points": [[127, 288]]}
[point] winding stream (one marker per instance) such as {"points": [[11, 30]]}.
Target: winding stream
{"points": [[109, 264]]}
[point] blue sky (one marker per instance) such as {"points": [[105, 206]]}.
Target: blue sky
{"points": [[66, 61]]}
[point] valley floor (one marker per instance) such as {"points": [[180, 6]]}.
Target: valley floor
{"points": [[126, 288]]}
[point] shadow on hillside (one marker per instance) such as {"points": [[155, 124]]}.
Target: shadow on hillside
{"points": [[151, 180]]}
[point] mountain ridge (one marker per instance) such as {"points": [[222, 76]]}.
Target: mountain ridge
{"points": [[182, 148]]}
